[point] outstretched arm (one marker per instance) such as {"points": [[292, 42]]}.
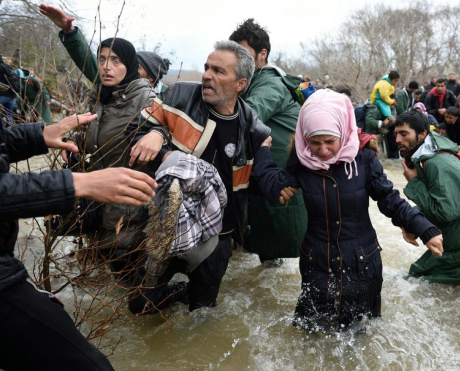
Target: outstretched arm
{"points": [[53, 134], [74, 41], [59, 18], [115, 185]]}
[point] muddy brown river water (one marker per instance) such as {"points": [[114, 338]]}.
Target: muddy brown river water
{"points": [[251, 328]]}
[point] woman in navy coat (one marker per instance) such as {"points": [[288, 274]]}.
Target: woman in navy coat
{"points": [[340, 260]]}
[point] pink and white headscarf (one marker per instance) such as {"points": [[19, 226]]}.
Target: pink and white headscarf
{"points": [[328, 111]]}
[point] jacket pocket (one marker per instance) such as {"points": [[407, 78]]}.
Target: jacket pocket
{"points": [[307, 262], [369, 262]]}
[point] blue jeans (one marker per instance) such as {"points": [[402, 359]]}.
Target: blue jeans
{"points": [[8, 103]]}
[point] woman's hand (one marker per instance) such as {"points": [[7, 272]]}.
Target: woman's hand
{"points": [[146, 149], [286, 194], [60, 19], [435, 245]]}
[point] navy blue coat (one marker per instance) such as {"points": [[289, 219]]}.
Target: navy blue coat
{"points": [[340, 258]]}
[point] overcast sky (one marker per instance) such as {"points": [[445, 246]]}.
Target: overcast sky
{"points": [[190, 27]]}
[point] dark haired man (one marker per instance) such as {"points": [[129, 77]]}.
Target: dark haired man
{"points": [[432, 170], [439, 99], [275, 229], [432, 84], [453, 85], [452, 122], [405, 99], [209, 121], [417, 95]]}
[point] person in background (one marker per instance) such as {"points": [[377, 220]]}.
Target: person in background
{"points": [[405, 98], [152, 67], [35, 98], [439, 99], [383, 94], [452, 121], [417, 95], [453, 85], [8, 89]]}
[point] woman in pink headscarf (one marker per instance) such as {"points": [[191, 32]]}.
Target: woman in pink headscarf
{"points": [[337, 170]]}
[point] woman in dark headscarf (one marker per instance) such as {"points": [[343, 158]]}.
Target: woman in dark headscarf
{"points": [[118, 100]]}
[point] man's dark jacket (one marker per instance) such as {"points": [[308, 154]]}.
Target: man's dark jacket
{"points": [[432, 104], [453, 86], [26, 195], [183, 112]]}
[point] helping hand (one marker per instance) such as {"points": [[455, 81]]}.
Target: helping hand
{"points": [[146, 149], [116, 185], [54, 133]]}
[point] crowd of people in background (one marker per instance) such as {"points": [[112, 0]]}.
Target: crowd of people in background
{"points": [[281, 165]]}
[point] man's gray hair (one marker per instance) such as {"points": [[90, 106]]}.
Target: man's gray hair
{"points": [[245, 66]]}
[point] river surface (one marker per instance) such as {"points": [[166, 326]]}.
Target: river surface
{"points": [[251, 328]]}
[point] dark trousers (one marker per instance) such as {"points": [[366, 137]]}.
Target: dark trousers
{"points": [[36, 333], [202, 289]]}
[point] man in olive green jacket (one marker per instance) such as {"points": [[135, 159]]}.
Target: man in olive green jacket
{"points": [[276, 230], [432, 169], [405, 98]]}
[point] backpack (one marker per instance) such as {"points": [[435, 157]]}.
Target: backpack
{"points": [[8, 77]]}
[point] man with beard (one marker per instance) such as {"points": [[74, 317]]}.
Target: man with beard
{"points": [[432, 169], [209, 121]]}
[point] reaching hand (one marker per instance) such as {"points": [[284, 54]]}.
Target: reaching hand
{"points": [[53, 133], [60, 19], [146, 149], [116, 185]]}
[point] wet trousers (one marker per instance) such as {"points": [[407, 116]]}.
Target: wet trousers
{"points": [[201, 291], [37, 334]]}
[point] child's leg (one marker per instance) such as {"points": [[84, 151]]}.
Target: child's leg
{"points": [[383, 107]]}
